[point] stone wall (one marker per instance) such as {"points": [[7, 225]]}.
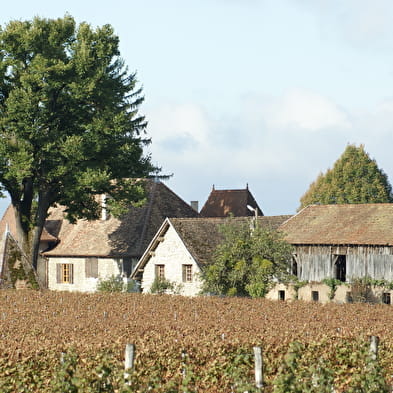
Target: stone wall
{"points": [[172, 254]]}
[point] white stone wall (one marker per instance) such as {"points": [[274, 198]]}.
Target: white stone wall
{"points": [[106, 268], [172, 253]]}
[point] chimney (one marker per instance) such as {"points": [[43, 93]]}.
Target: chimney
{"points": [[195, 205]]}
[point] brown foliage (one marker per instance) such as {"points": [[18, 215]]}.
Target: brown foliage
{"points": [[40, 325]]}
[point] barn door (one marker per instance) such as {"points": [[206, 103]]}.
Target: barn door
{"points": [[340, 268]]}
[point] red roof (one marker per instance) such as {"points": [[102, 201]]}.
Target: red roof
{"points": [[224, 203]]}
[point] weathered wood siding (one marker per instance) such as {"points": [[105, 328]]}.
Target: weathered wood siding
{"points": [[315, 263]]}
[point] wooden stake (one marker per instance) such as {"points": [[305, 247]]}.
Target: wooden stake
{"points": [[129, 360], [374, 341], [258, 367]]}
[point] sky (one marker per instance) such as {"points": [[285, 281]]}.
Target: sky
{"points": [[264, 93]]}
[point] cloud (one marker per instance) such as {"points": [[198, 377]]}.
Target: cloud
{"points": [[304, 110], [361, 23], [278, 145]]}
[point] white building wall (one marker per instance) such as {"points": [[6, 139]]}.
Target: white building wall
{"points": [[172, 253], [106, 268]]}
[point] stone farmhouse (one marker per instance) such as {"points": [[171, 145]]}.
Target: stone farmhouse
{"points": [[75, 256], [183, 246]]}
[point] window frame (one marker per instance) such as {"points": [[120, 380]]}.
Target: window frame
{"points": [[187, 274], [65, 273], [159, 271]]}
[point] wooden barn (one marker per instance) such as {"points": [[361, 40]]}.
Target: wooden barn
{"points": [[342, 242]]}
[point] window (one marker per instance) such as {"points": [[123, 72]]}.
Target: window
{"points": [[386, 299], [294, 266], [91, 267], [187, 273], [281, 295], [65, 273], [349, 298], [315, 296], [340, 268], [160, 272]]}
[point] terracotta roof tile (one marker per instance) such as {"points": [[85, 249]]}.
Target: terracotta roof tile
{"points": [[223, 203]]}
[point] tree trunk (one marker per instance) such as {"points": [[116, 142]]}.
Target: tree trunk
{"points": [[42, 210]]}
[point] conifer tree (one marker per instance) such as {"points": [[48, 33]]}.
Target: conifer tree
{"points": [[354, 178]]}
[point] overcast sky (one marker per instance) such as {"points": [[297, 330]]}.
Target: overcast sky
{"points": [[264, 92]]}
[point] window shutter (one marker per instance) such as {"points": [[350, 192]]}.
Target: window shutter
{"points": [[184, 273], [88, 267], [94, 267], [71, 273], [91, 267], [58, 273]]}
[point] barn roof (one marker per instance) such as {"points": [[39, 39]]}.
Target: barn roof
{"points": [[127, 236], [356, 224], [223, 203]]}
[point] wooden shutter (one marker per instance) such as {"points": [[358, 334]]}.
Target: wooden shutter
{"points": [[87, 267], [58, 273], [184, 273], [91, 267], [71, 266]]}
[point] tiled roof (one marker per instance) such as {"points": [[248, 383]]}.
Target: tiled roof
{"points": [[128, 235], [8, 220], [357, 224], [223, 203], [202, 235]]}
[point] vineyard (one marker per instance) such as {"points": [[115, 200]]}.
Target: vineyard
{"points": [[202, 344]]}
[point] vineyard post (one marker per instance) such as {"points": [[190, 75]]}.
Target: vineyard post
{"points": [[258, 367], [129, 360], [374, 341], [183, 363]]}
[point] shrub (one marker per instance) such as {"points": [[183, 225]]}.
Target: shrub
{"points": [[162, 285], [116, 284]]}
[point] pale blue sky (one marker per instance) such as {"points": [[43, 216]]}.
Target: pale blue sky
{"points": [[264, 92]]}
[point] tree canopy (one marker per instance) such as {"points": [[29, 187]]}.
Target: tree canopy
{"points": [[69, 122], [354, 178], [247, 262]]}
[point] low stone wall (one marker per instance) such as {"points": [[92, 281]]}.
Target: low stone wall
{"points": [[322, 293]]}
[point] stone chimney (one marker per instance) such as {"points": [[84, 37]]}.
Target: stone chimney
{"points": [[195, 205]]}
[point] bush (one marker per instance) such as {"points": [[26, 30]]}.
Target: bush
{"points": [[116, 284], [162, 285], [361, 291]]}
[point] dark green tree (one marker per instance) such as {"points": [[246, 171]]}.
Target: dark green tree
{"points": [[69, 123], [247, 262], [354, 178]]}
